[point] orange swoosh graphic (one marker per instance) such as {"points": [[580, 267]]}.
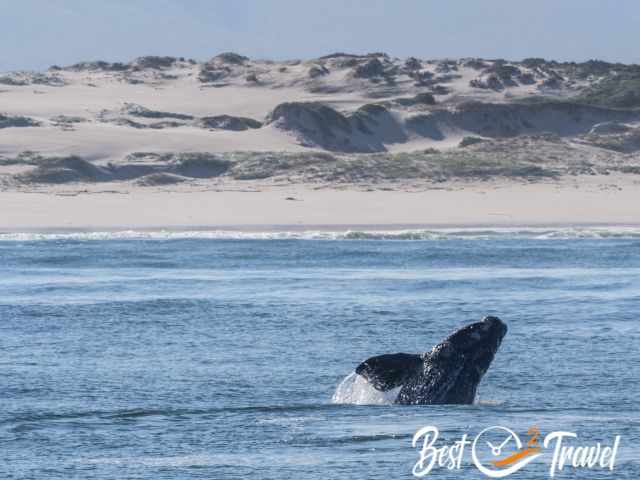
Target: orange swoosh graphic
{"points": [[515, 457]]}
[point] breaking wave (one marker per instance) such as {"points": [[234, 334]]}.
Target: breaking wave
{"points": [[536, 233]]}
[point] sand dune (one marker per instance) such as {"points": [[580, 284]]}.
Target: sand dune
{"points": [[102, 110], [356, 122]]}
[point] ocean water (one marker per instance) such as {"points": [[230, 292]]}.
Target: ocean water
{"points": [[201, 355]]}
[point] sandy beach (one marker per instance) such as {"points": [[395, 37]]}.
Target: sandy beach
{"points": [[589, 201]]}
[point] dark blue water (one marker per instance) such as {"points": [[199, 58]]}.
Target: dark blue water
{"points": [[218, 359]]}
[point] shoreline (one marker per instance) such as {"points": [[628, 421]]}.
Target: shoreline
{"points": [[336, 228]]}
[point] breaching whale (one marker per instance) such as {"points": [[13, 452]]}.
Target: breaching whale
{"points": [[448, 374]]}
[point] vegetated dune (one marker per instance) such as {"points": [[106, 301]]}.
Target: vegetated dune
{"points": [[372, 127], [140, 117], [17, 121], [523, 158], [337, 118], [613, 136], [320, 126], [509, 120], [140, 111], [171, 168], [229, 122], [159, 179], [63, 170]]}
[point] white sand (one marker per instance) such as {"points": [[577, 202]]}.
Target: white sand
{"points": [[595, 202]]}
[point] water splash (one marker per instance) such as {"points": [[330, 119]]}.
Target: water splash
{"points": [[355, 390]]}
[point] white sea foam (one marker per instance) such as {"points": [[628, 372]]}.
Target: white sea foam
{"points": [[538, 233], [355, 390]]}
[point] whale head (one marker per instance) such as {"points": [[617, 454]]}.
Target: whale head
{"points": [[475, 345], [453, 369]]}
